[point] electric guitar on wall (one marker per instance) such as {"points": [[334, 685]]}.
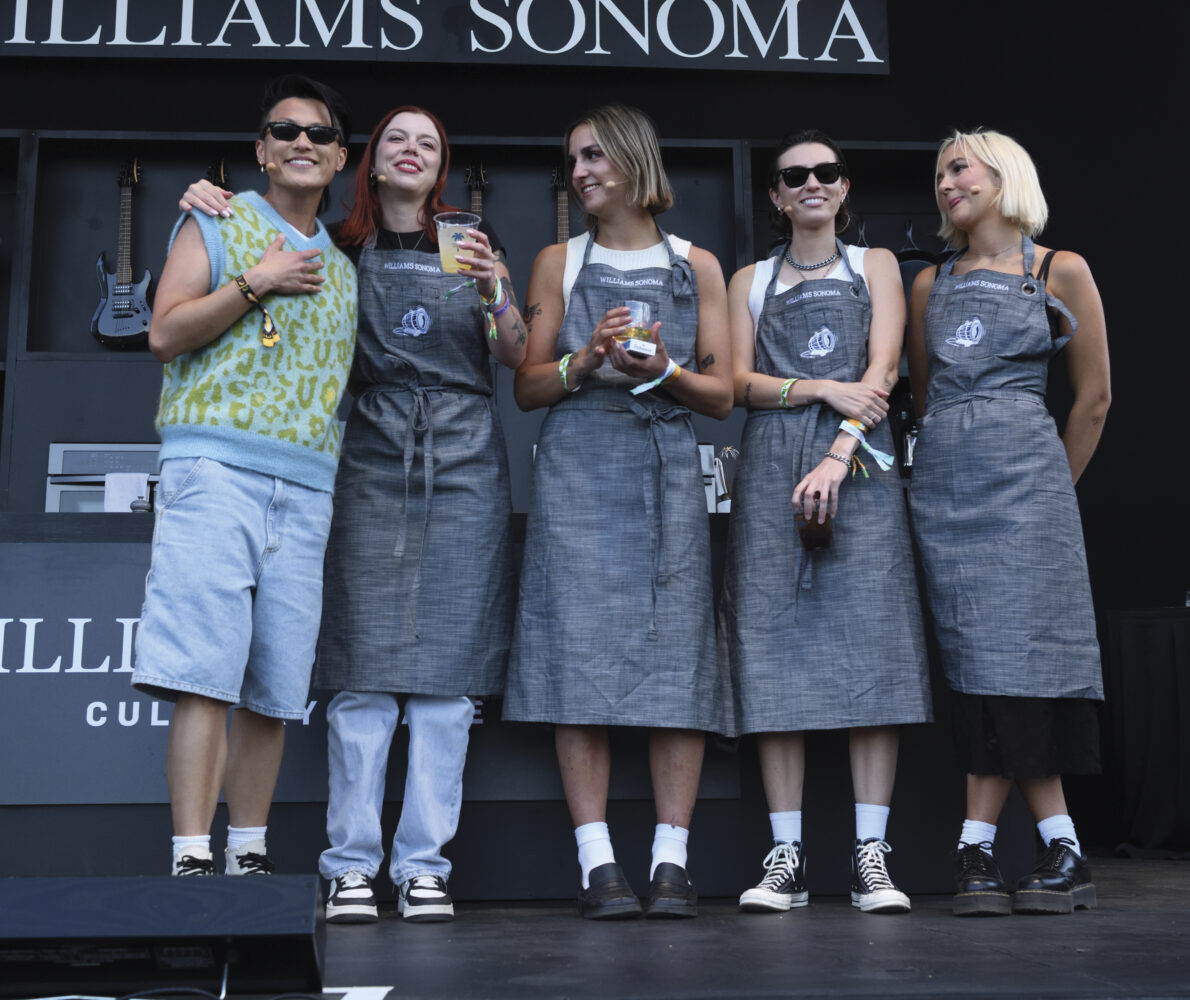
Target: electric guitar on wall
{"points": [[562, 198], [476, 180], [122, 318]]}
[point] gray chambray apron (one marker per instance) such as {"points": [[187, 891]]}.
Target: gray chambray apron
{"points": [[994, 510], [833, 638], [615, 623], [419, 586]]}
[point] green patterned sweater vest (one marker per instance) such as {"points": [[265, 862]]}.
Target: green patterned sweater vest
{"points": [[268, 409]]}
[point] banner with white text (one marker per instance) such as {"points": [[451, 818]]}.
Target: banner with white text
{"points": [[807, 36]]}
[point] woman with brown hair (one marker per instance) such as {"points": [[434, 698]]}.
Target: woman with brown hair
{"points": [[615, 624]]}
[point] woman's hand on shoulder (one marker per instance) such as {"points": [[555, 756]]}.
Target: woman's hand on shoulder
{"points": [[203, 196]]}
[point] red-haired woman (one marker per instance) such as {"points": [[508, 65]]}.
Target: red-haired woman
{"points": [[418, 587]]}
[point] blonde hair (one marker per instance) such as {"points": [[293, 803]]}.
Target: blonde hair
{"points": [[628, 138], [1018, 196]]}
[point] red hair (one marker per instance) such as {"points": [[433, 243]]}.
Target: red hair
{"points": [[363, 221]]}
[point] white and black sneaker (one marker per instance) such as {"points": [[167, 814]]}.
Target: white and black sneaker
{"points": [[783, 886], [424, 899], [195, 861], [250, 859], [352, 900], [872, 889]]}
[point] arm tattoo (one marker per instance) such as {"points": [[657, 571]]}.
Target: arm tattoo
{"points": [[747, 395], [707, 362], [519, 329], [531, 313]]}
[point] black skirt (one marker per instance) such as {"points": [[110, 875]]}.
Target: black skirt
{"points": [[1023, 738]]}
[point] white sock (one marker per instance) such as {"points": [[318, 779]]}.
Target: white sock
{"points": [[976, 832], [669, 844], [594, 848], [1053, 827], [871, 822], [239, 837], [787, 826], [198, 847]]}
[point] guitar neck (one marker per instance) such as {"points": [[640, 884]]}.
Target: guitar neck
{"points": [[124, 243], [477, 200], [563, 200]]}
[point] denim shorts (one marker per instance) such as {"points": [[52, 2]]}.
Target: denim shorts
{"points": [[234, 592]]}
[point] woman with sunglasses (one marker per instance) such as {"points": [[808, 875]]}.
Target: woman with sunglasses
{"points": [[614, 625], [419, 583], [824, 632], [995, 514]]}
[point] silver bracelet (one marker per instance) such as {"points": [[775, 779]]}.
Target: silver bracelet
{"points": [[838, 458]]}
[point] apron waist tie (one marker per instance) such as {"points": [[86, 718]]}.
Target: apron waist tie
{"points": [[420, 424]]}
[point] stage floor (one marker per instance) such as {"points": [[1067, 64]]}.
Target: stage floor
{"points": [[1133, 945]]}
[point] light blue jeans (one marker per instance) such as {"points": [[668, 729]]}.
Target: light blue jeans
{"points": [[361, 726]]}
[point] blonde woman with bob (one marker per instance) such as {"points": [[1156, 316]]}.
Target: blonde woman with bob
{"points": [[995, 514], [615, 624]]}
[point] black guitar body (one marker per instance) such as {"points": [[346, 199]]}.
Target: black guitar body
{"points": [[122, 318]]}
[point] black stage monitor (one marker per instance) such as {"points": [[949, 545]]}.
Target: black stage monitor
{"points": [[265, 933]]}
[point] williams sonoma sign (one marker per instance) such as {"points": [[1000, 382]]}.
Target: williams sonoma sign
{"points": [[825, 36]]}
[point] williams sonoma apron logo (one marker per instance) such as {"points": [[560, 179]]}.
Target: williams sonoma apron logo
{"points": [[822, 36], [414, 323], [968, 334], [821, 344]]}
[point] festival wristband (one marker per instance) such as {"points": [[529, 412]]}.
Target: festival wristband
{"points": [[671, 371], [883, 459], [490, 302], [562, 366], [268, 334], [783, 398]]}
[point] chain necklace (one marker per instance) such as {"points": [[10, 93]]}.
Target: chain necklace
{"points": [[810, 267], [1015, 244], [420, 236]]}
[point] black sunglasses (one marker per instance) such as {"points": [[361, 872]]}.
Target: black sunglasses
{"points": [[320, 135], [795, 177]]}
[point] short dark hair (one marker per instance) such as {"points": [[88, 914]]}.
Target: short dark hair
{"points": [[295, 85], [803, 137]]}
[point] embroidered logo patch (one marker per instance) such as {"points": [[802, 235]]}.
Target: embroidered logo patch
{"points": [[821, 344], [414, 323], [968, 334]]}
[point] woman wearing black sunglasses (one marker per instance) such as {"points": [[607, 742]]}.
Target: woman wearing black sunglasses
{"points": [[996, 518], [824, 632], [419, 590]]}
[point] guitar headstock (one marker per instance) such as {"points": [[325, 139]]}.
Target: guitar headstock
{"points": [[476, 178], [131, 174], [217, 174]]}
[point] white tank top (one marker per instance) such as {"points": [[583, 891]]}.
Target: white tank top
{"points": [[622, 260], [763, 274]]}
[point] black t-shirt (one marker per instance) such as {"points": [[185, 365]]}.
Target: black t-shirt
{"points": [[388, 240]]}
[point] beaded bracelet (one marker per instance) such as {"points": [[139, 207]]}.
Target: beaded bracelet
{"points": [[783, 399], [562, 366], [268, 334]]}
